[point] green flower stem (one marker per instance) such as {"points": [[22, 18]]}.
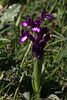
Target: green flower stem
{"points": [[37, 77]]}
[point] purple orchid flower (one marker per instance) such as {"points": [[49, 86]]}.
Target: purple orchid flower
{"points": [[40, 41]]}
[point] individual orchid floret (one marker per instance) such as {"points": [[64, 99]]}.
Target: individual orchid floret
{"points": [[26, 35], [29, 22], [43, 15]]}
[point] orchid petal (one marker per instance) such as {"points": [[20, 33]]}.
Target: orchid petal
{"points": [[32, 23], [48, 16], [35, 38], [26, 35], [24, 24], [43, 14], [38, 22], [30, 37], [42, 32], [46, 38], [23, 33], [42, 43], [28, 21], [23, 39], [36, 29]]}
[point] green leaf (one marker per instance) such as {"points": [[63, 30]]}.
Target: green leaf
{"points": [[1, 76], [53, 97], [4, 42], [26, 95], [10, 13]]}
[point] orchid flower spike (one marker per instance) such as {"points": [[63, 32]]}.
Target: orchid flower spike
{"points": [[39, 41]]}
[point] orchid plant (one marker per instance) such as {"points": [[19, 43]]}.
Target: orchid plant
{"points": [[39, 42]]}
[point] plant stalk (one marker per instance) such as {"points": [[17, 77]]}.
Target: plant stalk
{"points": [[37, 77]]}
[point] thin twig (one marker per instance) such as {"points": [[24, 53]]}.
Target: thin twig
{"points": [[55, 36], [10, 86], [63, 79], [19, 17], [26, 54], [3, 9], [51, 50], [19, 85]]}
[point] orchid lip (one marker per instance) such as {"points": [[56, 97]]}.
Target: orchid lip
{"points": [[48, 16], [23, 39], [35, 29], [24, 24]]}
